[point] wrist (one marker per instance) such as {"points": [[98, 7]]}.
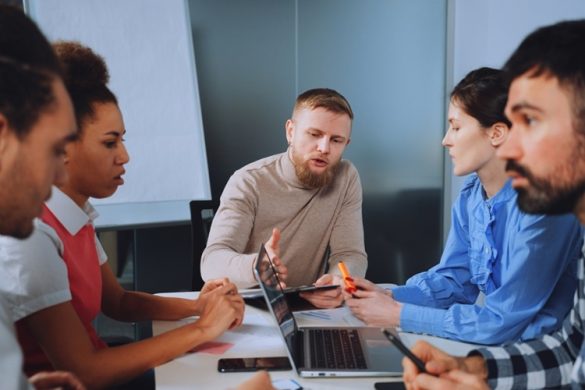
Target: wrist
{"points": [[200, 333], [396, 311]]}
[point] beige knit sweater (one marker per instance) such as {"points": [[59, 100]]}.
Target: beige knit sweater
{"points": [[267, 194]]}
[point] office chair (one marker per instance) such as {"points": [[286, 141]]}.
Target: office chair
{"points": [[202, 213]]}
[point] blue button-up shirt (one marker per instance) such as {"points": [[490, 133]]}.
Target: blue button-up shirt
{"points": [[525, 265]]}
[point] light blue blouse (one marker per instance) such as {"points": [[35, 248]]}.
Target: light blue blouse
{"points": [[526, 265]]}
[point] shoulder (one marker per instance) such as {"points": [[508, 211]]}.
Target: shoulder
{"points": [[43, 239], [246, 180], [34, 275], [264, 164]]}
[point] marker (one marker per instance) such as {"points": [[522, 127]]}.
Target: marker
{"points": [[349, 285]]}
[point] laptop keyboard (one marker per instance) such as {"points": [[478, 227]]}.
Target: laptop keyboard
{"points": [[336, 349]]}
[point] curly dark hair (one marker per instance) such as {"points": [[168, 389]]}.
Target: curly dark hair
{"points": [[86, 78]]}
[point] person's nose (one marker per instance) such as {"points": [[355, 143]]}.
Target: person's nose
{"points": [[60, 173], [323, 145], [511, 149], [446, 142], [123, 157]]}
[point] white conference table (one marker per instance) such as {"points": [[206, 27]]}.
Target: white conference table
{"points": [[260, 336]]}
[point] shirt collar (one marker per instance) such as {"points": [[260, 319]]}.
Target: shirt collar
{"points": [[69, 213], [504, 194], [289, 172]]}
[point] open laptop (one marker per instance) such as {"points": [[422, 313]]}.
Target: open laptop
{"points": [[326, 352]]}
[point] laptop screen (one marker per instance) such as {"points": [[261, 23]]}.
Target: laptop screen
{"points": [[269, 282]]}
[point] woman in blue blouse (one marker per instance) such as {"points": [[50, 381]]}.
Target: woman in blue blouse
{"points": [[521, 267]]}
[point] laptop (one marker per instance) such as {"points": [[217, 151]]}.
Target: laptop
{"points": [[331, 351]]}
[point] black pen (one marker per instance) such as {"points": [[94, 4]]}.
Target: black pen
{"points": [[404, 349]]}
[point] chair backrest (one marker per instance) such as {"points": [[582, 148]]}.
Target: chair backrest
{"points": [[202, 213]]}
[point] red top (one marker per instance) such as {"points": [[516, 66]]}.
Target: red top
{"points": [[85, 282]]}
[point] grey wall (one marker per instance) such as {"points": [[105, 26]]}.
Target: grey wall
{"points": [[386, 57], [485, 33]]}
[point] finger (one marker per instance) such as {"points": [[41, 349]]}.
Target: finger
{"points": [[465, 378], [324, 280], [55, 379], [426, 381], [274, 239], [410, 370]]}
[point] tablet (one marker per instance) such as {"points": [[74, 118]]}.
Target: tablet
{"points": [[256, 292]]}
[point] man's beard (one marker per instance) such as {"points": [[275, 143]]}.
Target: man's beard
{"points": [[553, 195], [309, 178]]}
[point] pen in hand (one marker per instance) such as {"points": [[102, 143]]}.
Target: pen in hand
{"points": [[405, 351], [347, 279]]}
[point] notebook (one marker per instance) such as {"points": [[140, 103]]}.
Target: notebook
{"points": [[331, 351]]}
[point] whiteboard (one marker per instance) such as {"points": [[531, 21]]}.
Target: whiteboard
{"points": [[147, 45]]}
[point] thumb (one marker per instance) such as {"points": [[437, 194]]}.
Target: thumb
{"points": [[275, 238]]}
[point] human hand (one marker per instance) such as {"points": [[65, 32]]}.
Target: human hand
{"points": [[453, 380], [373, 305], [325, 299], [211, 285], [260, 381], [273, 249], [55, 380], [221, 309], [444, 371]]}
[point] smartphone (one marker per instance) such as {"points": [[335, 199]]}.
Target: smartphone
{"points": [[389, 386], [395, 339], [253, 364]]}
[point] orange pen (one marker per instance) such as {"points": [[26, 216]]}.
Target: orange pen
{"points": [[349, 285]]}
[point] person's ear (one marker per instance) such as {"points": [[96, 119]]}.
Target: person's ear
{"points": [[290, 129], [498, 133], [7, 137]]}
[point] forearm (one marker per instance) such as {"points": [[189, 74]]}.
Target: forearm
{"points": [[218, 262], [140, 306], [104, 368]]}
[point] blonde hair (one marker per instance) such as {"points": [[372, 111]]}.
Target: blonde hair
{"points": [[326, 98]]}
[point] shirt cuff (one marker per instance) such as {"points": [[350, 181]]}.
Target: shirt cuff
{"points": [[491, 364], [409, 294], [421, 319]]}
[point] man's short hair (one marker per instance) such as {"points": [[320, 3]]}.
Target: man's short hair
{"points": [[28, 67], [326, 98], [557, 50]]}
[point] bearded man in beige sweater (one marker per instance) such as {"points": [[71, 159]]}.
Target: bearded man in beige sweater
{"points": [[306, 201]]}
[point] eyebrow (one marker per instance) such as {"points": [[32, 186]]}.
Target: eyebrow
{"points": [[116, 133], [524, 106]]}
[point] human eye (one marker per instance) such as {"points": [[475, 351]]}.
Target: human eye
{"points": [[59, 150], [338, 140], [110, 144], [528, 120]]}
